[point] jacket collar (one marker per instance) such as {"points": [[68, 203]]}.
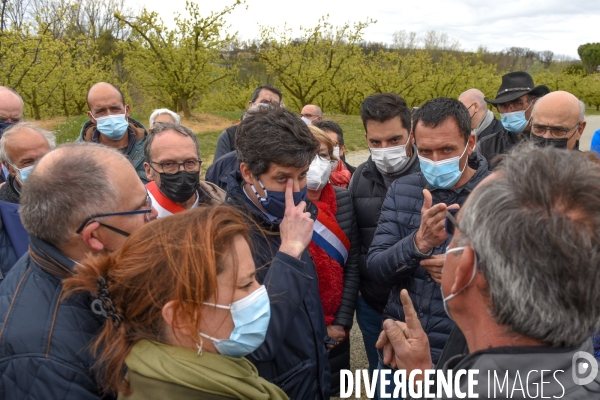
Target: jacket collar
{"points": [[50, 259]]}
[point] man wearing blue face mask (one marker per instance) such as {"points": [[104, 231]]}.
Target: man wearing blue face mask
{"points": [[514, 101], [110, 124], [274, 150], [410, 241], [21, 146], [11, 112]]}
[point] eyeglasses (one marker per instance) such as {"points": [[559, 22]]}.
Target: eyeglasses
{"points": [[557, 132], [451, 223], [309, 116], [515, 105], [172, 167], [147, 211]]}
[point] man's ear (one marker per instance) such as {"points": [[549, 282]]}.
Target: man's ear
{"points": [[464, 270], [91, 117], [90, 236], [149, 171], [126, 111], [471, 144], [246, 174], [581, 129]]}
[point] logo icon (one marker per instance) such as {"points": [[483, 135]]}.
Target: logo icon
{"points": [[584, 363]]}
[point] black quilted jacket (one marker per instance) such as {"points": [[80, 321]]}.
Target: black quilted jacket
{"points": [[392, 256], [43, 341]]}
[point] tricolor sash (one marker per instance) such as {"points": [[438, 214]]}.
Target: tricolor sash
{"points": [[328, 235], [162, 203]]}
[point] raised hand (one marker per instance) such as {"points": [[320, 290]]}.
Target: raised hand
{"points": [[296, 228], [431, 232], [405, 345]]}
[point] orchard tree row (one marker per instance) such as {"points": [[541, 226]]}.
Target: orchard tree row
{"points": [[52, 51]]}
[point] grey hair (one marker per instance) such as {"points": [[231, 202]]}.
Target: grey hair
{"points": [[49, 136], [256, 108], [581, 111], [56, 201], [168, 126], [160, 111], [536, 231]]}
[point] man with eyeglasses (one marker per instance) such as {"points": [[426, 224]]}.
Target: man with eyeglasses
{"points": [[311, 114], [261, 95], [80, 199], [110, 124], [21, 146], [173, 166], [558, 120], [520, 281], [514, 101]]}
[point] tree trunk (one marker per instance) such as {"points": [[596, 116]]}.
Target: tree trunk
{"points": [[35, 106], [183, 101]]}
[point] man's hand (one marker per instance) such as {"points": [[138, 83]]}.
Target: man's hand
{"points": [[434, 265], [405, 345], [337, 333], [296, 228], [431, 232]]}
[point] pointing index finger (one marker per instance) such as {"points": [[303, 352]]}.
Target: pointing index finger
{"points": [[412, 320], [289, 194]]}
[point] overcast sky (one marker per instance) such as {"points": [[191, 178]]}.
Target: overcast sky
{"points": [[556, 25]]}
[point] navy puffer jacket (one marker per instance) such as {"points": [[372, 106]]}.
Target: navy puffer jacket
{"points": [[44, 342], [293, 355], [392, 254]]}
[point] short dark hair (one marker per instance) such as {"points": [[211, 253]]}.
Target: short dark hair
{"points": [[438, 110], [327, 125], [265, 87], [382, 107], [87, 96], [160, 127], [274, 136]]}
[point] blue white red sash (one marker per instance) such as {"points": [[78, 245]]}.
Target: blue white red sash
{"points": [[328, 235], [162, 203]]}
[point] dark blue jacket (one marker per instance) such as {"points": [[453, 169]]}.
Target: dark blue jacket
{"points": [[293, 355], [218, 172], [13, 237], [392, 256], [44, 341]]}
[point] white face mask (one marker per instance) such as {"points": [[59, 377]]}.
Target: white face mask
{"points": [[306, 120], [390, 159], [318, 173], [446, 299], [336, 152]]}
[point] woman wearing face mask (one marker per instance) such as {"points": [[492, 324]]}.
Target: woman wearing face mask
{"points": [[182, 309], [334, 249]]}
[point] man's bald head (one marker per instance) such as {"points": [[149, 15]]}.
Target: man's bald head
{"points": [[101, 89], [67, 186], [11, 105], [474, 100], [560, 110]]}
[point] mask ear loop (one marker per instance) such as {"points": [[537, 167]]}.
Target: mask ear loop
{"points": [[199, 346]]}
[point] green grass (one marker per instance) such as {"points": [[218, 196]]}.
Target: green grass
{"points": [[354, 132]]}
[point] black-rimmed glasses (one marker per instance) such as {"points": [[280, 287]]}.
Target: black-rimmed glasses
{"points": [[557, 132], [172, 167], [146, 211]]}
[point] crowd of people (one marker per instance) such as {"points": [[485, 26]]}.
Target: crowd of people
{"points": [[463, 242]]}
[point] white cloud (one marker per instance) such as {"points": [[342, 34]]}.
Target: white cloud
{"points": [[553, 25]]}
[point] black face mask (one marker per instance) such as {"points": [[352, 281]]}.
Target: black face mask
{"points": [[544, 142], [179, 186]]}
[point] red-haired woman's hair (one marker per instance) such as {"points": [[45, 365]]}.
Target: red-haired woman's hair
{"points": [[175, 258]]}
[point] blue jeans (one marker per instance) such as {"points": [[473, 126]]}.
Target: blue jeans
{"points": [[369, 321]]}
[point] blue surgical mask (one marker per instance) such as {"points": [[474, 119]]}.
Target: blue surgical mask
{"points": [[442, 174], [251, 316], [453, 295], [23, 173], [514, 121], [113, 127], [4, 126], [274, 202]]}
